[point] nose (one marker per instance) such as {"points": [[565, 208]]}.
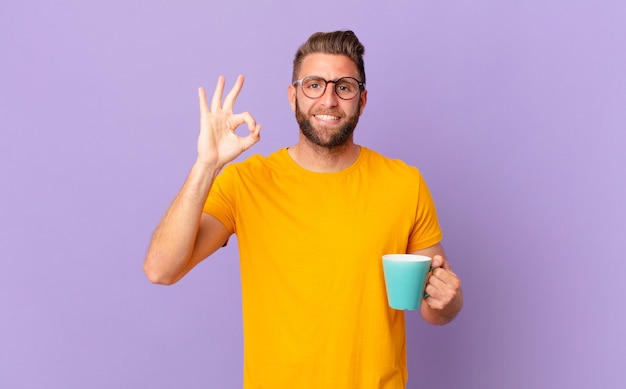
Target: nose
{"points": [[329, 98]]}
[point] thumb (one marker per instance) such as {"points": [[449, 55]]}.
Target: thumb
{"points": [[437, 261]]}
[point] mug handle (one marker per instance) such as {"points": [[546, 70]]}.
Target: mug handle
{"points": [[426, 294]]}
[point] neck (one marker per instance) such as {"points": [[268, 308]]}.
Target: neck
{"points": [[324, 159]]}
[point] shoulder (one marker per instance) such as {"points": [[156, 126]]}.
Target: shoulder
{"points": [[258, 161], [256, 165], [376, 162]]}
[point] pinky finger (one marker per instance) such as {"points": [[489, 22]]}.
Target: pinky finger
{"points": [[202, 99]]}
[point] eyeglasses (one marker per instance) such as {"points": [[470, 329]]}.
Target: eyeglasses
{"points": [[314, 87]]}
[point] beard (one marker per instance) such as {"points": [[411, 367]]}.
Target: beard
{"points": [[339, 138]]}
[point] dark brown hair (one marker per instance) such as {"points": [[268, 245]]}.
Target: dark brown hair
{"points": [[337, 42]]}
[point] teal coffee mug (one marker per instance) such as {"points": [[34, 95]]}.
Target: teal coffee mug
{"points": [[405, 279]]}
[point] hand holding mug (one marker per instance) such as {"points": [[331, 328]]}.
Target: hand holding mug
{"points": [[442, 284]]}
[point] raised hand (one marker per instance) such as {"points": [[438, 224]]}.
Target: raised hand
{"points": [[217, 143]]}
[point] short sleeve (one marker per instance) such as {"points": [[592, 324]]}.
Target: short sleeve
{"points": [[221, 202], [426, 230]]}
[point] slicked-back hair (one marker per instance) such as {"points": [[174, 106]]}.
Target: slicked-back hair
{"points": [[336, 42]]}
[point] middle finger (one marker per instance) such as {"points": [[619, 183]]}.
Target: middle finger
{"points": [[229, 101]]}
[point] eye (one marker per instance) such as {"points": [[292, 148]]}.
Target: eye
{"points": [[346, 86], [313, 83]]}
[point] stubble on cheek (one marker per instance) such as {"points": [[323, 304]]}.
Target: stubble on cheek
{"points": [[325, 137]]}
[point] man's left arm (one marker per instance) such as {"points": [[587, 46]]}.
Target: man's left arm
{"points": [[443, 286]]}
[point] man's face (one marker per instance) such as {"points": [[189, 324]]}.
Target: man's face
{"points": [[327, 121]]}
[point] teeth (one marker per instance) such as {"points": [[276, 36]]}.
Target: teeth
{"points": [[327, 118]]}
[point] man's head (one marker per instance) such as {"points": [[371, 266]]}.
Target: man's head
{"points": [[337, 42], [328, 108]]}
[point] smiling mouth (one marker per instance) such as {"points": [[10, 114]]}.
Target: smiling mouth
{"points": [[327, 118]]}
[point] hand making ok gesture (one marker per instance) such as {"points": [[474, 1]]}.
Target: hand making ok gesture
{"points": [[217, 143]]}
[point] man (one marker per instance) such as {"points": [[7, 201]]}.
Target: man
{"points": [[312, 221]]}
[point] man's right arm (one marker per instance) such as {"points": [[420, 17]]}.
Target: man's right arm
{"points": [[186, 235]]}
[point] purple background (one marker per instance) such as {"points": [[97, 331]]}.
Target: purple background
{"points": [[515, 111]]}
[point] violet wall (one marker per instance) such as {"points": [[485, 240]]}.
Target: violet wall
{"points": [[513, 110]]}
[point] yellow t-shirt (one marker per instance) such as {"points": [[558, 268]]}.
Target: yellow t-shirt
{"points": [[315, 313]]}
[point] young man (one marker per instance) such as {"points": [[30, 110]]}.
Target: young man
{"points": [[313, 222]]}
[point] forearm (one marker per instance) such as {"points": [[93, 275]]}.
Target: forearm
{"points": [[173, 241], [184, 236], [442, 316]]}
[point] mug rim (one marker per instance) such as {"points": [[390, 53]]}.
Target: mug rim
{"points": [[407, 257]]}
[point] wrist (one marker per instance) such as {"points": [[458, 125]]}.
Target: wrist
{"points": [[207, 166], [202, 175]]}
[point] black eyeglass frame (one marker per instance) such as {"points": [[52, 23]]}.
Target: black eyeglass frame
{"points": [[360, 84]]}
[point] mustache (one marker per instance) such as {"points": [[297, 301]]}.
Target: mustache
{"points": [[329, 112], [321, 111]]}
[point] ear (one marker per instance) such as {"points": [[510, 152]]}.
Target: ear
{"points": [[291, 93], [363, 98]]}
